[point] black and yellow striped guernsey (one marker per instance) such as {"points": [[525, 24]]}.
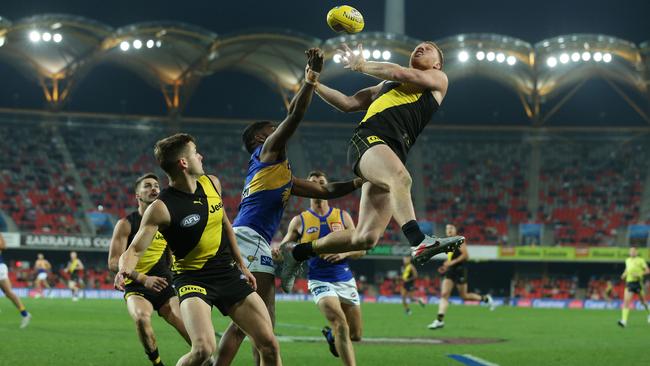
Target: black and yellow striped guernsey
{"points": [[401, 111], [195, 234], [154, 261]]}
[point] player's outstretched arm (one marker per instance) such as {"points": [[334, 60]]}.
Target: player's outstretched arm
{"points": [[276, 143], [432, 79], [308, 189], [3, 243], [155, 215], [360, 101], [118, 244]]}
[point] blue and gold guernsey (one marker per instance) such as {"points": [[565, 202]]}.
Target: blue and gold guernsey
{"points": [[266, 191], [314, 227]]}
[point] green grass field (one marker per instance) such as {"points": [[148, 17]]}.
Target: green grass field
{"points": [[99, 332]]}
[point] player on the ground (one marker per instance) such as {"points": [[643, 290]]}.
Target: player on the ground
{"points": [[5, 286], [42, 267], [397, 110], [268, 186], [75, 269], [208, 269], [409, 275], [455, 273], [635, 268], [153, 288], [330, 279]]}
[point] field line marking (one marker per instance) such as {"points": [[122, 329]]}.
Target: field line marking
{"points": [[470, 360]]}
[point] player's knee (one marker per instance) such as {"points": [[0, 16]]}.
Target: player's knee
{"points": [[142, 319], [268, 347], [366, 240], [355, 335], [402, 179], [203, 350]]}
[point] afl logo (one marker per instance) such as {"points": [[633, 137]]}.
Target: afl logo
{"points": [[312, 229], [190, 220]]}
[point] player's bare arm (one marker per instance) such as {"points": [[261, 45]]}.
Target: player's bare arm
{"points": [[275, 145], [118, 244], [232, 239], [293, 234], [155, 216], [358, 102], [305, 188], [431, 79]]}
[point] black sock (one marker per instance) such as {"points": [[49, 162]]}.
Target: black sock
{"points": [[413, 233], [154, 357], [303, 251], [441, 317]]}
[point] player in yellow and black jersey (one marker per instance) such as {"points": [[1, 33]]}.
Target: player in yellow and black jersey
{"points": [[635, 269], [208, 269], [409, 275], [74, 269], [397, 110], [151, 288]]}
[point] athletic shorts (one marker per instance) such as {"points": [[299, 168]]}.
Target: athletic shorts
{"points": [[363, 139], [635, 287], [346, 291], [4, 272], [42, 276], [408, 285], [157, 299], [458, 274], [255, 250], [222, 288]]}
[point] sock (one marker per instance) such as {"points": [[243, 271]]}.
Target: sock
{"points": [[441, 317], [626, 313], [154, 357], [413, 233], [303, 251], [23, 311]]}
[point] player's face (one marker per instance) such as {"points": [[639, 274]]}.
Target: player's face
{"points": [[148, 190], [450, 230], [320, 180], [425, 57], [266, 132], [406, 260], [40, 257], [73, 255], [633, 252], [194, 161]]}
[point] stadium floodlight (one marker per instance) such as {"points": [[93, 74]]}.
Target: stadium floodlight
{"points": [[480, 55], [564, 58], [598, 56], [124, 46], [336, 58], [158, 43], [137, 44], [386, 55], [57, 38], [551, 61], [463, 56], [355, 52], [511, 60], [607, 57], [46, 37], [575, 57], [586, 56], [34, 36], [501, 57], [376, 54], [150, 43], [490, 56], [366, 54]]}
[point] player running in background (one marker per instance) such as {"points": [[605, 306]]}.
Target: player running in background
{"points": [[635, 268], [153, 288], [455, 273], [409, 275], [42, 267], [75, 270], [330, 279], [5, 286]]}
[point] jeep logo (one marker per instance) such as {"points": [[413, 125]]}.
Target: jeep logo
{"points": [[190, 220]]}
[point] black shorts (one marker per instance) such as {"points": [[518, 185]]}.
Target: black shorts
{"points": [[222, 288], [364, 138], [458, 274], [635, 287], [157, 299], [408, 286]]}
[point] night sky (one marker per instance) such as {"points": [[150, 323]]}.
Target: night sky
{"points": [[109, 88]]}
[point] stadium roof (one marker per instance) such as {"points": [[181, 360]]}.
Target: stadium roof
{"points": [[56, 50]]}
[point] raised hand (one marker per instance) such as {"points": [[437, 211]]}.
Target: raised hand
{"points": [[351, 60]]}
